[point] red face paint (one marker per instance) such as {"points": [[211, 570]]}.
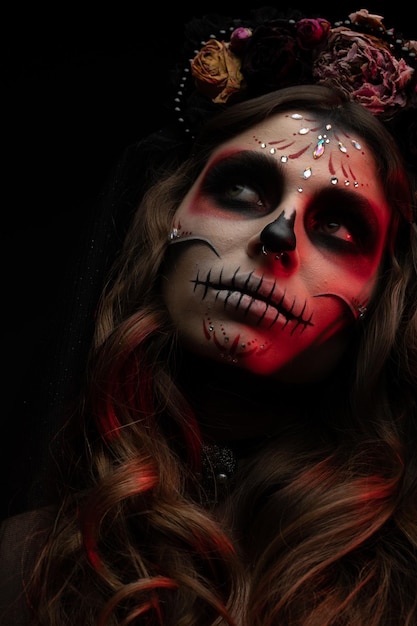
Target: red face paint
{"points": [[267, 307]]}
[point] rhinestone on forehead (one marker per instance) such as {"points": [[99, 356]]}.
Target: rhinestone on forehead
{"points": [[318, 150]]}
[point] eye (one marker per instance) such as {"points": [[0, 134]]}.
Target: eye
{"points": [[342, 222], [244, 193], [334, 228], [343, 233], [246, 183]]}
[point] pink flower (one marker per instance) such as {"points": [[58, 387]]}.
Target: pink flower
{"points": [[239, 39], [363, 67], [411, 45], [312, 32], [368, 19]]}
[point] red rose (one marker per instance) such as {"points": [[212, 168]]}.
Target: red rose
{"points": [[273, 58], [312, 32]]}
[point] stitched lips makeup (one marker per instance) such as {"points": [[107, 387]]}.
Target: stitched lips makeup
{"points": [[255, 299]]}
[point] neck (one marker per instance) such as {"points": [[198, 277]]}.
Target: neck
{"points": [[234, 404]]}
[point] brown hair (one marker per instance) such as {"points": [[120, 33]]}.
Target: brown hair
{"points": [[320, 528]]}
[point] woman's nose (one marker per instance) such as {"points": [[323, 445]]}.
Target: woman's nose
{"points": [[279, 235]]}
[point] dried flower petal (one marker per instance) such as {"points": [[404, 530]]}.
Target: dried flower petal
{"points": [[216, 71], [363, 67], [278, 53], [369, 19]]}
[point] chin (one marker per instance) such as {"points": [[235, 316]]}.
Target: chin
{"points": [[316, 364], [262, 358]]}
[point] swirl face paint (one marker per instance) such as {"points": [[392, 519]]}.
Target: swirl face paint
{"points": [[274, 252]]}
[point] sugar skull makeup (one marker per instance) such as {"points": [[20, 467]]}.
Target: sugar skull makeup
{"points": [[274, 252]]}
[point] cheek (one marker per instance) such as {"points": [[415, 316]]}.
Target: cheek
{"points": [[222, 232], [184, 259], [349, 280], [182, 225], [194, 214]]}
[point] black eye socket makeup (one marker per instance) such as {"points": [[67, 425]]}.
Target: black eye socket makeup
{"points": [[247, 183], [251, 185], [343, 221]]}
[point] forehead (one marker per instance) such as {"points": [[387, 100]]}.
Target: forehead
{"points": [[311, 150]]}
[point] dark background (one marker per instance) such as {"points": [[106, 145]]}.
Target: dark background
{"points": [[79, 86]]}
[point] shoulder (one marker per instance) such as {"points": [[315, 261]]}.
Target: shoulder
{"points": [[21, 537]]}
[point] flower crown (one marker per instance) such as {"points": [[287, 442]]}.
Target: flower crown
{"points": [[360, 57]]}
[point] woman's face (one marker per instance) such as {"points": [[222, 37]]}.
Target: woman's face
{"points": [[275, 250]]}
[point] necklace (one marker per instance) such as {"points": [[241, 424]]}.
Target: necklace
{"points": [[218, 469]]}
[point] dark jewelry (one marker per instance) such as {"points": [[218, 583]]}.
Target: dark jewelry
{"points": [[218, 468]]}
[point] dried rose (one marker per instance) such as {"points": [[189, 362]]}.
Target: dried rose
{"points": [[272, 58], [363, 67], [368, 19], [216, 71], [411, 46], [239, 39], [312, 32]]}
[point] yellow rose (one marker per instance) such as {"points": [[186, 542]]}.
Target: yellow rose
{"points": [[216, 71]]}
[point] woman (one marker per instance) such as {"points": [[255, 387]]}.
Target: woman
{"points": [[249, 411]]}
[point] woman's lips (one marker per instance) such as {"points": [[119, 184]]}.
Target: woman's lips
{"points": [[255, 299]]}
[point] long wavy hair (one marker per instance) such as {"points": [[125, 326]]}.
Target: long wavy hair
{"points": [[321, 527]]}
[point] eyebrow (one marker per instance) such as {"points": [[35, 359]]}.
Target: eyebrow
{"points": [[249, 158], [354, 199]]}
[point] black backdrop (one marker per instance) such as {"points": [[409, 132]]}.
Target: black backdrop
{"points": [[80, 85]]}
